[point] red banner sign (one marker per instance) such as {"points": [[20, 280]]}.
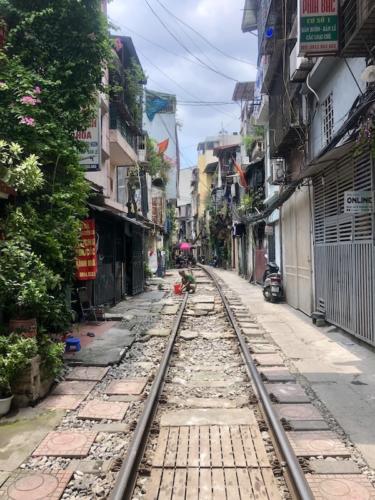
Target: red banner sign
{"points": [[87, 264]]}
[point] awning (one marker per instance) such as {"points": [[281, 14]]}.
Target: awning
{"points": [[118, 214], [211, 167], [249, 20], [256, 163], [244, 91]]}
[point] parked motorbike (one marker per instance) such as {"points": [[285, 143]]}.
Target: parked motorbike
{"points": [[272, 283]]}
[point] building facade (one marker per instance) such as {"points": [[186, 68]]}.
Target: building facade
{"points": [[314, 96]]}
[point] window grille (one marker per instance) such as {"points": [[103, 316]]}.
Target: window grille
{"points": [[328, 119]]}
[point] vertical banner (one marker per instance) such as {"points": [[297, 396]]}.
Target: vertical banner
{"points": [[319, 27], [87, 266], [91, 137]]}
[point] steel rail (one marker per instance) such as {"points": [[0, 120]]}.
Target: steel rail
{"points": [[297, 476], [127, 475]]}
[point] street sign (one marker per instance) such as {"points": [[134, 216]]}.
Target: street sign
{"points": [[358, 202], [319, 27]]}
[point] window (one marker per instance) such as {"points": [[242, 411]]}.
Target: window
{"points": [[328, 119]]}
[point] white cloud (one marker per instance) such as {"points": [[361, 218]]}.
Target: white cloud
{"points": [[217, 20]]}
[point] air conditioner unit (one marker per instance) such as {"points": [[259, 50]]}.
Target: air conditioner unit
{"points": [[300, 67], [277, 170]]}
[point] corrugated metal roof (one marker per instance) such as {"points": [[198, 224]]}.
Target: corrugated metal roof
{"points": [[244, 91]]}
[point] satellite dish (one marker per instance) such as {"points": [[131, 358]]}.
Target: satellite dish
{"points": [[368, 75]]}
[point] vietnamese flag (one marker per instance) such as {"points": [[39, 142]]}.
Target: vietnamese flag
{"points": [[163, 146], [241, 174]]}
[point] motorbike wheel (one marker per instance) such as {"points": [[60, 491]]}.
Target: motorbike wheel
{"points": [[267, 294]]}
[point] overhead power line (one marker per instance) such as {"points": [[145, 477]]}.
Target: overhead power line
{"points": [[185, 47], [218, 49], [187, 92]]}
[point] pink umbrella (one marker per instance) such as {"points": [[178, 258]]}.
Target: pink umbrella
{"points": [[185, 246]]}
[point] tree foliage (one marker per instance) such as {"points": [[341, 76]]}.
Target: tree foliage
{"points": [[51, 70]]}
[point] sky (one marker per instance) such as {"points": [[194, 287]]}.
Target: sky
{"points": [[180, 72]]}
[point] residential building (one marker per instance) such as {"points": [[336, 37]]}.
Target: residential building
{"points": [[314, 97], [184, 206], [208, 169], [113, 172]]}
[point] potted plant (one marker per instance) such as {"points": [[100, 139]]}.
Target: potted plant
{"points": [[15, 354], [25, 285]]}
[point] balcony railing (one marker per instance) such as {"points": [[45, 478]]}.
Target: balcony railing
{"points": [[358, 28], [116, 123]]}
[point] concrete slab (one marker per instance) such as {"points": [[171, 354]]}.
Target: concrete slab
{"points": [[67, 444], [345, 487], [241, 416], [334, 467], [106, 350], [276, 374], [204, 307], [126, 398], [96, 409], [212, 384], [93, 373], [188, 335], [158, 332], [86, 466], [170, 310], [288, 393], [36, 485], [218, 335], [309, 425], [18, 439], [263, 349], [203, 299], [208, 402], [126, 386], [113, 428], [269, 359], [210, 375]]}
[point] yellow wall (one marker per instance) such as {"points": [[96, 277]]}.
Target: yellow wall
{"points": [[204, 184]]}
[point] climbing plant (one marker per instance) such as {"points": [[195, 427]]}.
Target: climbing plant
{"points": [[52, 60]]}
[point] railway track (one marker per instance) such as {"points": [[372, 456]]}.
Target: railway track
{"points": [[207, 410], [226, 443]]}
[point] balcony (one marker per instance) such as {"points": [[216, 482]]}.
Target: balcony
{"points": [[358, 28], [286, 121], [123, 144]]}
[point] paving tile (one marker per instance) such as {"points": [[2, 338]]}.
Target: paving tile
{"points": [[203, 299], [92, 373], [342, 486], [298, 412], [288, 393], [277, 374], [240, 416], [204, 307], [217, 335], [66, 444], [127, 386], [126, 398], [319, 443], [67, 402], [269, 359], [74, 387], [98, 410], [35, 485]]}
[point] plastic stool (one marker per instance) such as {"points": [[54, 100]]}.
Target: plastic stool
{"points": [[72, 344]]}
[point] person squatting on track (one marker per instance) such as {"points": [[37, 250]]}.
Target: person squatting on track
{"points": [[188, 282]]}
